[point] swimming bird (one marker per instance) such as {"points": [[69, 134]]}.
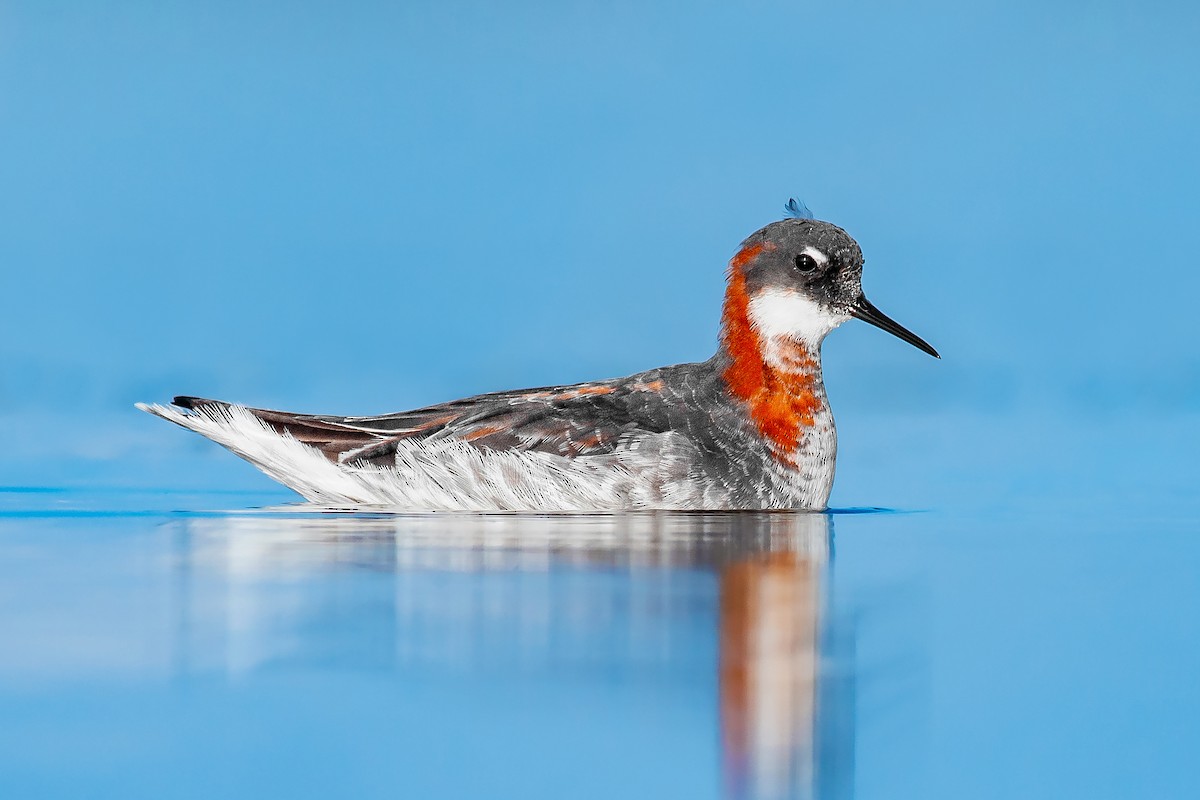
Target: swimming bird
{"points": [[750, 428]]}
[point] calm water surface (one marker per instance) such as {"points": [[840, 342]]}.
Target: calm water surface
{"points": [[147, 652]]}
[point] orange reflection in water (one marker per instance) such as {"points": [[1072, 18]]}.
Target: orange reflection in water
{"points": [[783, 733], [771, 605]]}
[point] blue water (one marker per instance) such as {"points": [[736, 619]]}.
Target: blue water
{"points": [[1032, 629]]}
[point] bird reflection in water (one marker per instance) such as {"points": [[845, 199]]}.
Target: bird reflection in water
{"points": [[783, 700], [785, 690]]}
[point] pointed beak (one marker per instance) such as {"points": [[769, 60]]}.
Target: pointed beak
{"points": [[864, 310]]}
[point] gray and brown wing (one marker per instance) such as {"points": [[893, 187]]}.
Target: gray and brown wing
{"points": [[583, 419]]}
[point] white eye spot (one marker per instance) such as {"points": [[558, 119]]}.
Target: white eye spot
{"points": [[816, 255]]}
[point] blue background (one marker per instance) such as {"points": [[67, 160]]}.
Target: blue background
{"points": [[363, 208]]}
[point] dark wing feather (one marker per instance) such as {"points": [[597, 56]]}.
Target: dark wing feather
{"points": [[582, 419], [323, 433]]}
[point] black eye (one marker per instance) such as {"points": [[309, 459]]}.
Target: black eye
{"points": [[805, 262]]}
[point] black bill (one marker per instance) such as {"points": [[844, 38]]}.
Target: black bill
{"points": [[864, 310]]}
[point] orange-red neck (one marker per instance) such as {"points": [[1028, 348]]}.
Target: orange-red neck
{"points": [[782, 393]]}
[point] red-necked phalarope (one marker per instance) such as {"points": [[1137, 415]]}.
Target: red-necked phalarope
{"points": [[750, 428]]}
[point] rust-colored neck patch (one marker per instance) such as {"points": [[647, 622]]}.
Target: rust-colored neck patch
{"points": [[782, 396]]}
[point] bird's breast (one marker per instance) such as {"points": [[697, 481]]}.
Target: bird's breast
{"points": [[779, 385]]}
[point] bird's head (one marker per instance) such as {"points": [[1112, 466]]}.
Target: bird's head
{"points": [[801, 278]]}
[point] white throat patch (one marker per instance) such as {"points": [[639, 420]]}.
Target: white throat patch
{"points": [[785, 313]]}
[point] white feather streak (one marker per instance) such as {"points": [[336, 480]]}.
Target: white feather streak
{"points": [[452, 475]]}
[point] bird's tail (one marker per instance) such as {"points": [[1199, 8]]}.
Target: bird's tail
{"points": [[298, 451]]}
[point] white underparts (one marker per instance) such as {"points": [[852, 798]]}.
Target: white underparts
{"points": [[452, 475]]}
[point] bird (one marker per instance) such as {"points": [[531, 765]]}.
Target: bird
{"points": [[748, 429]]}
